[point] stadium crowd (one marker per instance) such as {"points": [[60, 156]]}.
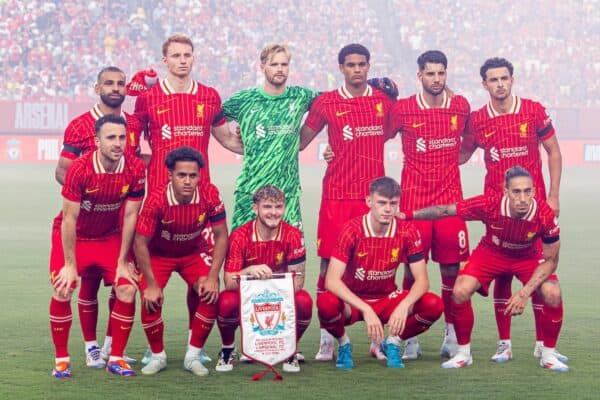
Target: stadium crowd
{"points": [[53, 49]]}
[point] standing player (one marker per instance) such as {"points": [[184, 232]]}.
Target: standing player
{"points": [[269, 118], [510, 130], [87, 238], [514, 223], [179, 111], [168, 239], [356, 117], [431, 125], [260, 248], [361, 278], [80, 139]]}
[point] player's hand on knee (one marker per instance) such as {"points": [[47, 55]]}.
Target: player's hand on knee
{"points": [[127, 271], [328, 154], [374, 326], [208, 289], [64, 281]]}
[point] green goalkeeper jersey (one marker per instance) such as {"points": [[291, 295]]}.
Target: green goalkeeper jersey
{"points": [[270, 129]]}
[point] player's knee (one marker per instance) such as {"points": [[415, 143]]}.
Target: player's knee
{"points": [[304, 305], [125, 292], [228, 304], [551, 293], [327, 306], [460, 294]]}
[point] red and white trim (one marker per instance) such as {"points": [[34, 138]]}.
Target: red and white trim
{"points": [[97, 113], [256, 237], [505, 209], [516, 107], [168, 89], [369, 232], [345, 93], [99, 168], [423, 105], [172, 200]]}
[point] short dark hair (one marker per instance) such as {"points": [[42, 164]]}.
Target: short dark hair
{"points": [[515, 172], [183, 153], [109, 119], [495, 62], [110, 68], [268, 192], [432, 57], [353, 48], [385, 186]]}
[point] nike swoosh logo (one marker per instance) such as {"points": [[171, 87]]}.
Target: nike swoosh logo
{"points": [[362, 254], [251, 259], [158, 112], [92, 190], [165, 222], [418, 125], [340, 113], [125, 328], [498, 228], [487, 135], [462, 251]]}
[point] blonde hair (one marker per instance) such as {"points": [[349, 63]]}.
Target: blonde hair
{"points": [[270, 50], [176, 38]]}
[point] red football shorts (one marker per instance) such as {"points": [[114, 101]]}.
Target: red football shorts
{"points": [[447, 238], [93, 257], [332, 216], [485, 265], [190, 268]]}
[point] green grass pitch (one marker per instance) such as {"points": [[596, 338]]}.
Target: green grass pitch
{"points": [[30, 199]]}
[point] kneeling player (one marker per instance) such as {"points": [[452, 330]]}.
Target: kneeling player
{"points": [[361, 278], [259, 248], [168, 240], [87, 239], [513, 223]]}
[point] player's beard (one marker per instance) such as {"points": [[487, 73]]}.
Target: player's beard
{"points": [[112, 102], [433, 92]]}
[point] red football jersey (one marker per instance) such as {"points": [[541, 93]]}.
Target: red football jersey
{"points": [[510, 139], [510, 236], [430, 142], [178, 119], [176, 229], [357, 128], [80, 135], [101, 194], [371, 261], [247, 248]]}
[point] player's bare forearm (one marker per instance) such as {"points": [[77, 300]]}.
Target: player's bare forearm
{"points": [[220, 249], [543, 270], [435, 212], [420, 285], [61, 169], [306, 136], [334, 283], [227, 139], [132, 208], [69, 230], [300, 270], [230, 283], [554, 169], [142, 258], [467, 148]]}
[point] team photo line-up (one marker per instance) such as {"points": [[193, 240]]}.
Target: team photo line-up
{"points": [[129, 220]]}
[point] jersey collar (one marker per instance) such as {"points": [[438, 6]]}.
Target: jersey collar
{"points": [[345, 93], [99, 168], [172, 200], [423, 105], [168, 89], [516, 107], [368, 229], [256, 237], [97, 113], [505, 209]]}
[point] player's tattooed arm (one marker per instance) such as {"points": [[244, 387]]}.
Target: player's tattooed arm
{"points": [[228, 139], [516, 304], [430, 213]]}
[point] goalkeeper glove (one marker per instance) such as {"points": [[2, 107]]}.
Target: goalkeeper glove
{"points": [[386, 85], [141, 81]]}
